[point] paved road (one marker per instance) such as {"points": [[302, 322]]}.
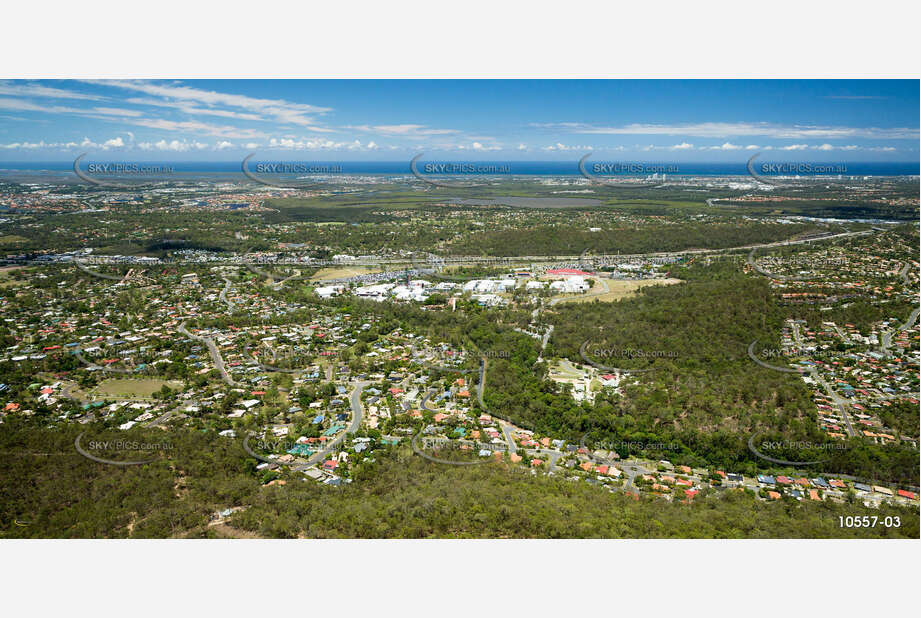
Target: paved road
{"points": [[887, 338], [425, 399], [265, 367], [472, 259], [215, 353], [904, 273], [223, 294], [66, 392], [840, 402], [93, 365], [754, 265], [550, 455], [357, 415], [260, 272], [751, 355], [169, 414], [631, 468], [94, 273], [546, 338], [507, 432]]}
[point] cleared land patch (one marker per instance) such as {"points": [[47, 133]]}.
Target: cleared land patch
{"points": [[617, 289], [325, 274], [133, 388]]}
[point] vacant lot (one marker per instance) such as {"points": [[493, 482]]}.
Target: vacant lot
{"points": [[325, 274], [6, 279], [12, 239], [616, 289], [129, 387]]}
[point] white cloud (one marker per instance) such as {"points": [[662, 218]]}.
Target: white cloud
{"points": [[172, 146], [223, 145], [32, 89], [477, 146], [726, 146], [795, 147], [277, 109], [85, 144], [194, 126], [318, 143], [191, 109], [558, 147], [403, 130], [683, 146], [739, 129]]}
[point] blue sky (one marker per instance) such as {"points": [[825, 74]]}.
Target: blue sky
{"points": [[662, 120]]}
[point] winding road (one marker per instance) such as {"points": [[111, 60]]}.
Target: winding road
{"points": [[223, 294], [212, 349], [354, 426]]}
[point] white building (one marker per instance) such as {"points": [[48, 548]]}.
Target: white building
{"points": [[329, 291]]}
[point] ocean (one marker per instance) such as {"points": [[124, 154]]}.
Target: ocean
{"points": [[514, 168]]}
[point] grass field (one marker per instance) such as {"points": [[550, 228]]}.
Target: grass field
{"points": [[617, 289], [325, 274], [12, 239], [6, 281], [132, 388]]}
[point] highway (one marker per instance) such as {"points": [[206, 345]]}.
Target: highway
{"points": [[754, 265], [455, 260]]}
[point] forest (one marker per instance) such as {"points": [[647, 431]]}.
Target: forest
{"points": [[47, 490]]}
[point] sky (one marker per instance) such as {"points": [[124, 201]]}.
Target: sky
{"points": [[524, 120]]}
